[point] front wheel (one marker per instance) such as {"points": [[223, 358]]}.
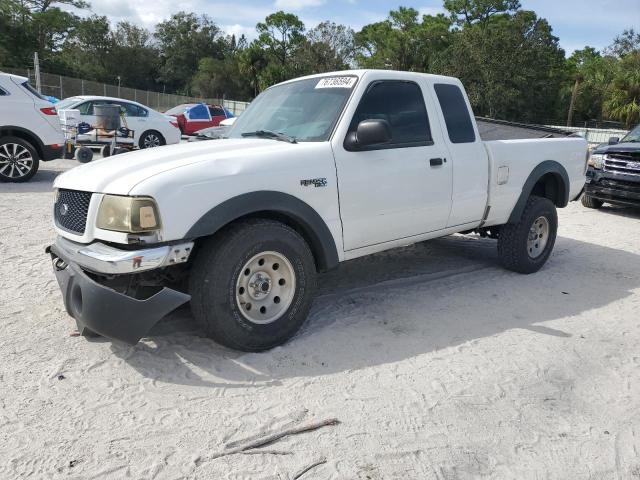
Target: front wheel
{"points": [[252, 285], [18, 160], [525, 246]]}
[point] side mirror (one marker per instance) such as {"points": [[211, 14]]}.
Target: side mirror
{"points": [[369, 132], [614, 140]]}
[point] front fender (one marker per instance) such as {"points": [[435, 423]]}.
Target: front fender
{"points": [[299, 213]]}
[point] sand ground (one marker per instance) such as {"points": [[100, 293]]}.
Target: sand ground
{"points": [[438, 363]]}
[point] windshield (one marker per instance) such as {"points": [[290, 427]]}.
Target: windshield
{"points": [[304, 110], [632, 136], [67, 102]]}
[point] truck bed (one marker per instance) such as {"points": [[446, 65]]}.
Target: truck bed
{"points": [[492, 129]]}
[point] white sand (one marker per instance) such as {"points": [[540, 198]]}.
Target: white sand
{"points": [[439, 363]]}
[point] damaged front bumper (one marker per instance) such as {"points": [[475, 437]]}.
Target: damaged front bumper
{"points": [[103, 310]]}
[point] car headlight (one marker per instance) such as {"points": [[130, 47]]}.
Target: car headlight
{"points": [[128, 214], [596, 160]]}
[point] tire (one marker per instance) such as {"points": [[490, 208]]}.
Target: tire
{"points": [[524, 247], [151, 139], [19, 160], [591, 202], [223, 290], [105, 151], [84, 154]]}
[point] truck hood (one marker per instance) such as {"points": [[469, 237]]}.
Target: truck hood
{"points": [[121, 173]]}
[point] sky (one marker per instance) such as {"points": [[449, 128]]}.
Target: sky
{"points": [[576, 22]]}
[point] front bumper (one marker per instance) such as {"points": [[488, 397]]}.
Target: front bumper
{"points": [[101, 258], [100, 309], [616, 188]]}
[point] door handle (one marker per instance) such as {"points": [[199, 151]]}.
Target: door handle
{"points": [[434, 162]]}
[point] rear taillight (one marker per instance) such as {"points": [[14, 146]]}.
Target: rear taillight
{"points": [[49, 110], [174, 123]]}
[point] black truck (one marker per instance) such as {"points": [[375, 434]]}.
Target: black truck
{"points": [[613, 175]]}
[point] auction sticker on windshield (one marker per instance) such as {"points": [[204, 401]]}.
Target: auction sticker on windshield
{"points": [[336, 82]]}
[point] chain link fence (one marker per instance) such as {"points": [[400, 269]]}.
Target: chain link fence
{"points": [[61, 87]]}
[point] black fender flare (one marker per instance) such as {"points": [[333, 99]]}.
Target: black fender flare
{"points": [[299, 213], [542, 169]]}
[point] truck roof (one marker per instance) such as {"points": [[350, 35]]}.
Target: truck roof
{"points": [[390, 73]]}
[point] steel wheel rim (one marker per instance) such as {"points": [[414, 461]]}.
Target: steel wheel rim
{"points": [[151, 140], [265, 287], [15, 160], [538, 237]]}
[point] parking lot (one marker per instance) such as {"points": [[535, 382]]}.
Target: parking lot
{"points": [[438, 364]]}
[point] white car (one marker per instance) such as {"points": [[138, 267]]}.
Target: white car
{"points": [[151, 128], [317, 171], [29, 129]]}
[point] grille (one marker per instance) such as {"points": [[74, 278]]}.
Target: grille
{"points": [[70, 210], [627, 163]]}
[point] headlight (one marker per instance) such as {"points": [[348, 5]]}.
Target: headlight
{"points": [[128, 214], [596, 160]]}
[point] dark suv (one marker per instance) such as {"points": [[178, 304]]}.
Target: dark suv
{"points": [[613, 175]]}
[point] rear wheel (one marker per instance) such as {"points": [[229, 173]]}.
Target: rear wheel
{"points": [[591, 202], [252, 286], [151, 139], [19, 160], [525, 246]]}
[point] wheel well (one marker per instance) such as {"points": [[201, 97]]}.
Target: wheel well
{"points": [[24, 135], [551, 186], [315, 245], [151, 130]]}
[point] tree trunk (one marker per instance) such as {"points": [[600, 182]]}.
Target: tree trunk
{"points": [[574, 95]]}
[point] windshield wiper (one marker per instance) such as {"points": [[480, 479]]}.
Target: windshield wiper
{"points": [[270, 134]]}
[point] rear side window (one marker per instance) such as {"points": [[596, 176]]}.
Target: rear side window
{"points": [[33, 91], [456, 113], [216, 112], [2, 92], [134, 110], [85, 108], [402, 105]]}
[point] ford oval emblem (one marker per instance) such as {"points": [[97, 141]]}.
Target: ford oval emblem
{"points": [[64, 209]]}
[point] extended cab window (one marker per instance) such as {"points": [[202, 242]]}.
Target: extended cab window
{"points": [[456, 113], [402, 105]]}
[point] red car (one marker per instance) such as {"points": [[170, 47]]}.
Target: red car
{"points": [[189, 125]]}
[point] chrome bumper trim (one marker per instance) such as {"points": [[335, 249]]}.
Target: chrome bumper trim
{"points": [[100, 258]]}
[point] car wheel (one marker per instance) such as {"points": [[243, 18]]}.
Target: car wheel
{"points": [[19, 160], [151, 139], [252, 286], [525, 246], [591, 202]]}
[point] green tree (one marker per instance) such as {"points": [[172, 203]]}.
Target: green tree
{"points": [[183, 41], [403, 41], [467, 12], [512, 66], [134, 57], [623, 95]]}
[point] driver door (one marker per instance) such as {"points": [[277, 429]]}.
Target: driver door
{"points": [[399, 189]]}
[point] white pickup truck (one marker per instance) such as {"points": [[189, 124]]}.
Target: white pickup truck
{"points": [[317, 171]]}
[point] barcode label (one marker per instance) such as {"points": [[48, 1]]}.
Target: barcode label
{"points": [[336, 82]]}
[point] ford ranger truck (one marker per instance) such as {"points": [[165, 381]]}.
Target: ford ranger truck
{"points": [[317, 171]]}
